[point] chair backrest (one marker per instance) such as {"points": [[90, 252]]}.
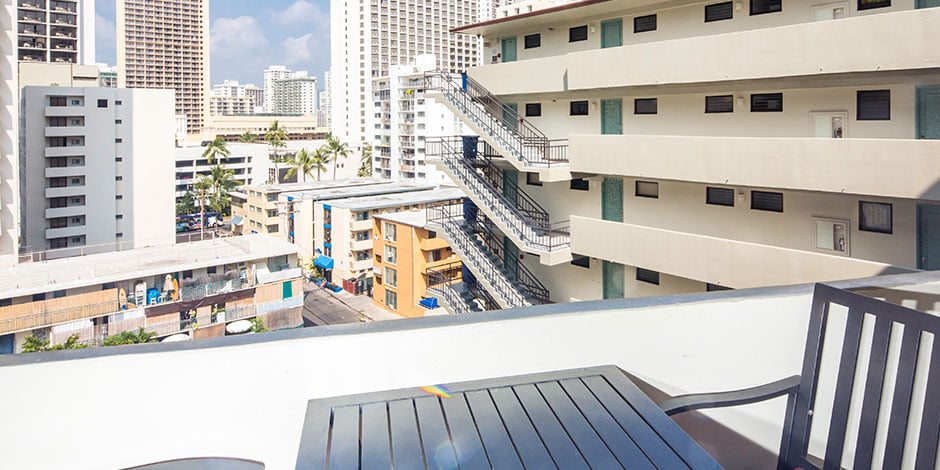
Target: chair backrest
{"points": [[885, 393]]}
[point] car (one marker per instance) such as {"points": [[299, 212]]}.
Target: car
{"points": [[182, 227]]}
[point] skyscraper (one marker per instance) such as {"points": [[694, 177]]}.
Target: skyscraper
{"points": [[165, 44], [272, 74], [56, 31], [295, 95], [368, 36]]}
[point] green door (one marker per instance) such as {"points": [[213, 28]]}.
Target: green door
{"points": [[612, 199], [510, 185], [612, 116], [509, 49], [510, 258], [287, 290], [613, 280], [928, 237], [928, 3], [510, 116], [612, 33], [928, 112]]}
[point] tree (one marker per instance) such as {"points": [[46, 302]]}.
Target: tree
{"points": [[34, 344], [276, 137], [305, 162], [216, 150], [223, 180], [186, 204], [257, 326], [202, 186], [248, 138], [365, 161], [130, 337], [336, 150]]}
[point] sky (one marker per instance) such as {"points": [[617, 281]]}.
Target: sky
{"points": [[247, 36]]}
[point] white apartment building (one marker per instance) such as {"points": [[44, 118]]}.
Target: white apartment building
{"points": [[323, 117], [56, 31], [368, 37], [96, 169], [257, 96], [638, 151], [231, 105], [296, 94], [9, 137], [107, 76], [404, 119], [165, 44], [272, 74], [248, 162]]}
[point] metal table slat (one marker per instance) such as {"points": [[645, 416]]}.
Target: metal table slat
{"points": [[617, 439], [495, 438], [406, 443], [592, 447], [376, 453], [344, 443], [528, 443], [315, 436], [565, 454], [438, 450], [645, 437], [467, 444]]}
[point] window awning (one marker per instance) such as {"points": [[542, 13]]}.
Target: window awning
{"points": [[324, 262], [237, 220]]}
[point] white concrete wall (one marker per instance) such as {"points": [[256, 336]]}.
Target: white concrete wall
{"points": [[9, 137], [152, 203]]}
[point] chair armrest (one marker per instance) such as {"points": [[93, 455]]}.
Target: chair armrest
{"points": [[698, 401]]}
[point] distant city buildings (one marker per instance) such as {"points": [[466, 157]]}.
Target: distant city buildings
{"points": [[249, 163], [296, 94], [272, 74], [107, 76], [326, 101], [56, 31], [165, 44]]}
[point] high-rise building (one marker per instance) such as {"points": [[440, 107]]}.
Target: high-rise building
{"points": [[107, 76], [232, 99], [325, 101], [257, 96], [629, 153], [296, 94], [56, 31], [165, 44], [370, 36], [9, 137], [272, 74]]}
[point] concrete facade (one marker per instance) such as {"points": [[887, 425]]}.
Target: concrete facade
{"points": [[249, 162]]}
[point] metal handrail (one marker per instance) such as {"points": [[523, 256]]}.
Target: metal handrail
{"points": [[500, 121], [525, 289], [521, 275], [522, 215]]}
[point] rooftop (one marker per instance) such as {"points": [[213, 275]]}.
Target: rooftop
{"points": [[315, 185], [340, 192], [443, 193], [246, 396], [80, 271], [581, 12], [412, 218]]}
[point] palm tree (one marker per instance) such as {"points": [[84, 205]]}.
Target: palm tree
{"points": [[365, 161], [223, 180], [248, 138], [336, 150], [320, 159], [275, 137], [305, 162], [201, 187], [216, 149]]}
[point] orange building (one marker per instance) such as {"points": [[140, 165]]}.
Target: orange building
{"points": [[405, 252]]}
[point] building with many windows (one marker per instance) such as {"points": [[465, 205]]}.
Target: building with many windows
{"points": [[272, 74], [61, 31], [296, 94], [165, 44], [248, 162], [725, 153]]}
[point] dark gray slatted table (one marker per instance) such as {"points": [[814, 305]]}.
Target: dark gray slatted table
{"points": [[581, 418]]}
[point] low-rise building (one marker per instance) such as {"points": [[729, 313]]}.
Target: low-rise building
{"points": [[192, 288], [408, 260], [249, 163], [231, 128]]}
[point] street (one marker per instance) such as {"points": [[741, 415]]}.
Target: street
{"points": [[324, 307]]}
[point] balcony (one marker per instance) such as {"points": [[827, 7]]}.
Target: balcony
{"points": [[360, 245], [718, 261], [360, 225], [885, 167], [64, 131], [66, 191], [668, 345], [873, 43], [66, 232], [66, 171], [361, 265], [53, 213], [65, 111]]}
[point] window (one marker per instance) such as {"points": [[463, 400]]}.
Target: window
{"points": [[767, 103], [102, 103], [39, 297], [647, 275], [119, 121], [58, 294], [719, 196], [188, 274], [391, 299], [118, 103], [533, 179], [533, 40], [873, 105], [869, 4], [642, 24], [578, 33], [759, 7], [119, 216], [875, 217], [767, 201], [580, 184], [391, 254], [581, 261], [432, 234], [718, 11], [211, 270], [119, 197], [533, 109], [832, 235], [118, 140], [390, 234], [645, 106], [648, 189], [119, 235], [362, 236], [391, 277], [362, 215], [118, 178], [579, 108], [719, 104], [6, 302]]}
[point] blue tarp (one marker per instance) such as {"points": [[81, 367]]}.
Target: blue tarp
{"points": [[324, 262], [237, 220], [429, 302]]}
